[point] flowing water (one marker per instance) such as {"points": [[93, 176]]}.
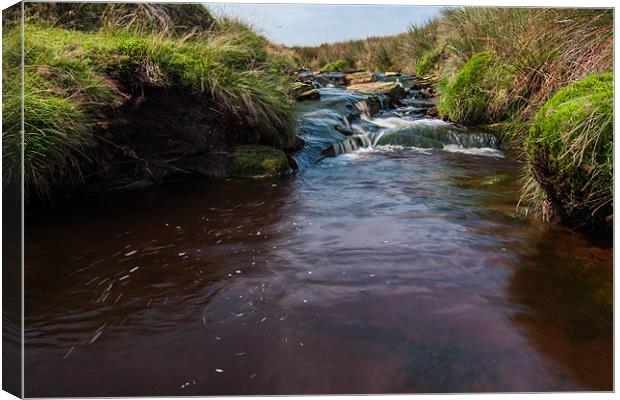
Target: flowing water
{"points": [[399, 266]]}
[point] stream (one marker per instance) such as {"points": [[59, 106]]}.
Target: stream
{"points": [[396, 266]]}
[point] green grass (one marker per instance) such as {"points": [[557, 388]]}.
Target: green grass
{"points": [[71, 74], [336, 66], [428, 62], [571, 138]]}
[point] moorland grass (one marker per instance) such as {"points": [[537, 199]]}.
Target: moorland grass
{"points": [[70, 74]]}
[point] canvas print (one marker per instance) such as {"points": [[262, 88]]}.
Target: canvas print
{"points": [[286, 199]]}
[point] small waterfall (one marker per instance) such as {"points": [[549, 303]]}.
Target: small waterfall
{"points": [[342, 121], [424, 133]]}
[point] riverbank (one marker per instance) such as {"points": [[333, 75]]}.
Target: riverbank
{"points": [[121, 94], [539, 77]]}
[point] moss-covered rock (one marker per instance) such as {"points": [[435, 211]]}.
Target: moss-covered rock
{"points": [[259, 161], [570, 152], [468, 99]]}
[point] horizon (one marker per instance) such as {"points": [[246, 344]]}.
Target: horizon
{"points": [[316, 24]]}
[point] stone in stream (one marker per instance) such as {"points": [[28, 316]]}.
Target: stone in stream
{"points": [[305, 91], [331, 78], [347, 145], [393, 90], [358, 77], [432, 112]]}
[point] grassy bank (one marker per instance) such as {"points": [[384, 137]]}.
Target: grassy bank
{"points": [[81, 59], [516, 68]]}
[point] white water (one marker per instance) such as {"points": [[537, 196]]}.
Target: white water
{"points": [[370, 139]]}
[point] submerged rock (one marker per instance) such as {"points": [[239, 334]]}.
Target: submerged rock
{"points": [[259, 161]]}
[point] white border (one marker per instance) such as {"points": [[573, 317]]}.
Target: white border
{"points": [[495, 3]]}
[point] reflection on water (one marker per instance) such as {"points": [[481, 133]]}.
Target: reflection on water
{"points": [[385, 270]]}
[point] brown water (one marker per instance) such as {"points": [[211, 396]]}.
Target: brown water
{"points": [[385, 271]]}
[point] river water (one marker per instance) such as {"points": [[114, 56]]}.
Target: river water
{"points": [[399, 267]]}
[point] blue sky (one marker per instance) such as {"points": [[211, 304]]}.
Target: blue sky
{"points": [[307, 24]]}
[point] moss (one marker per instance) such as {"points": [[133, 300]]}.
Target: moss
{"points": [[469, 97], [428, 62], [336, 66], [570, 150], [259, 161]]}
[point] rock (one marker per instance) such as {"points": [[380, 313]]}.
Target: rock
{"points": [[311, 94], [386, 74], [426, 92], [347, 145], [305, 91], [394, 90], [259, 161], [333, 78], [371, 106], [432, 112], [345, 130], [359, 77]]}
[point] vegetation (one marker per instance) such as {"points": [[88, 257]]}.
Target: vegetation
{"points": [[428, 62], [336, 66], [71, 75], [470, 98], [570, 151]]}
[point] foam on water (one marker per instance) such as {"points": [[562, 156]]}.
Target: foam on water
{"points": [[477, 151], [400, 123]]}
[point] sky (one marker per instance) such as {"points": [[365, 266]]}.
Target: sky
{"points": [[313, 24]]}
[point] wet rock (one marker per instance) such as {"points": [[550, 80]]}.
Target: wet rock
{"points": [[426, 92], [331, 78], [311, 94], [347, 145], [305, 91], [393, 90], [432, 112], [359, 77], [345, 130], [259, 161]]}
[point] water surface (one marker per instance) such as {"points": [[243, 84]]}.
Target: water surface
{"points": [[387, 270]]}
